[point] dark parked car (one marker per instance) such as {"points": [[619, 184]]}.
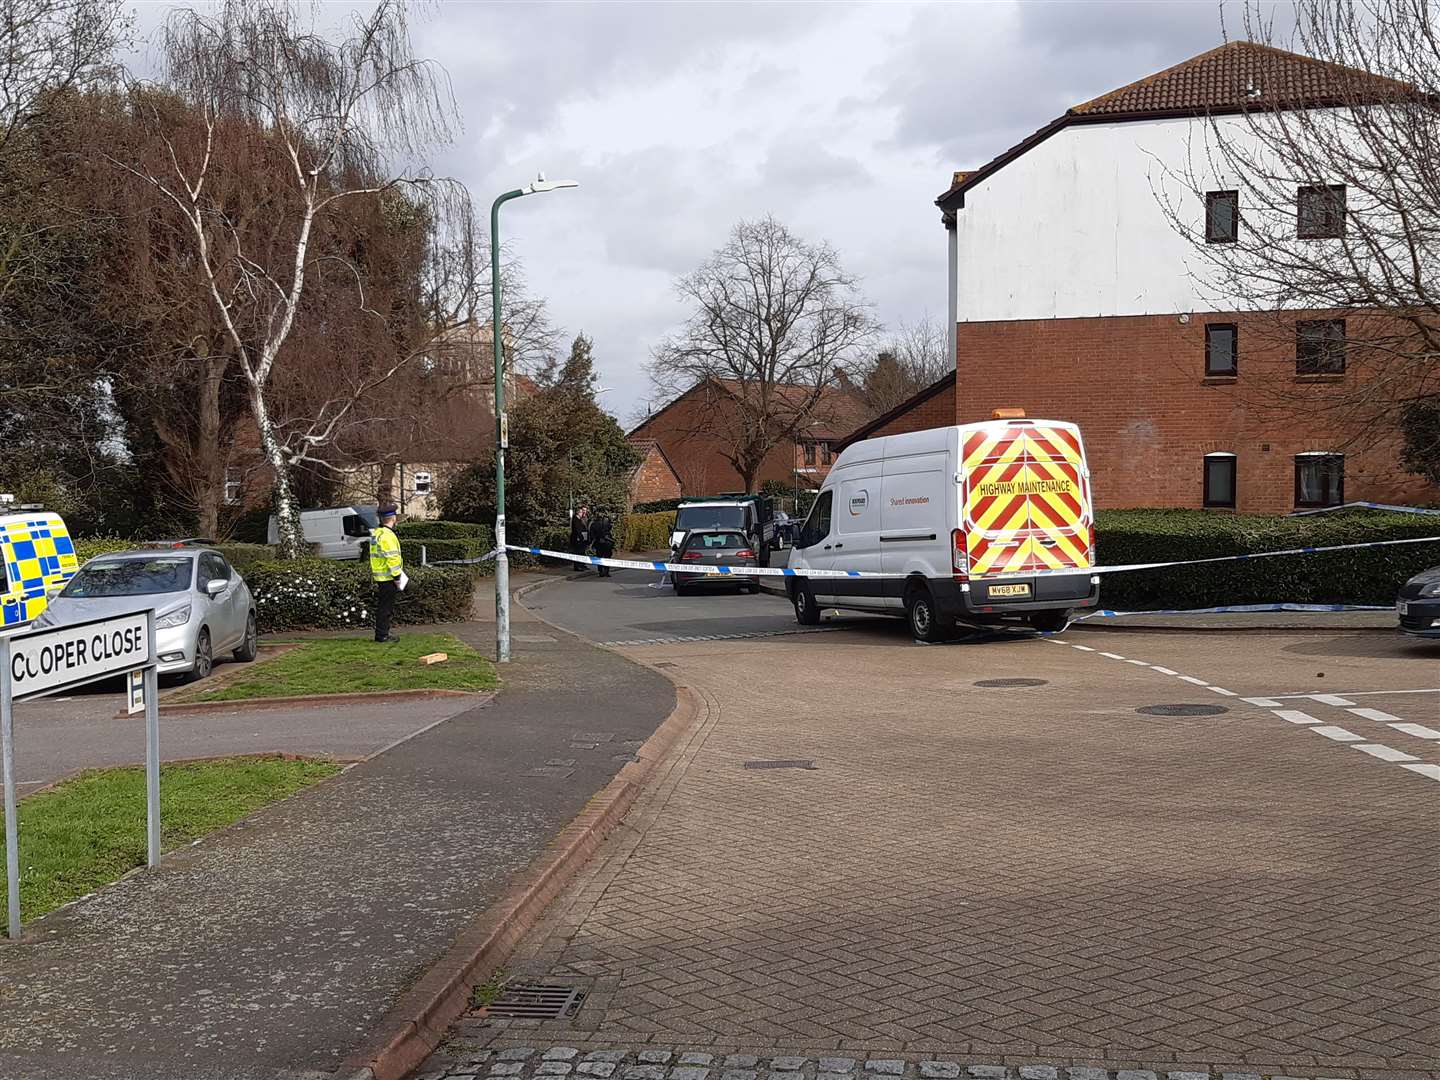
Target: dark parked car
{"points": [[715, 547], [1419, 604]]}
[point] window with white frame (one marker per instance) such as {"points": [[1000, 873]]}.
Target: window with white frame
{"points": [[422, 483], [1319, 479], [232, 487], [1220, 480]]}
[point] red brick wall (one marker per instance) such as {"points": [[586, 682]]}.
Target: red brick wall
{"points": [[699, 458], [1136, 385], [654, 480], [935, 411]]}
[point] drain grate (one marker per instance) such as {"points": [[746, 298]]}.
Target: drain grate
{"points": [[535, 1001], [796, 763], [999, 683], [1182, 710]]}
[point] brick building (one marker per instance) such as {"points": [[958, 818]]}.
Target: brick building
{"points": [[699, 429], [933, 406], [1074, 296], [654, 479]]}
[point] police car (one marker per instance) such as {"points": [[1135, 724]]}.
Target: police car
{"points": [[37, 558]]}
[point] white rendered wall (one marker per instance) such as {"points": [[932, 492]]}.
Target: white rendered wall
{"points": [[1077, 226]]}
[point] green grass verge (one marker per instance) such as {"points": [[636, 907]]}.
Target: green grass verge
{"points": [[351, 665], [90, 830]]}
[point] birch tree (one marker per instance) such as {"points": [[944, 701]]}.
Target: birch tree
{"points": [[335, 122], [774, 323]]}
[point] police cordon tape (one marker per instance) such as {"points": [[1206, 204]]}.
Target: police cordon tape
{"points": [[1387, 507], [1234, 609], [774, 571]]}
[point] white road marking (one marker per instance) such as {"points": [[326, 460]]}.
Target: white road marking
{"points": [[1420, 731], [1330, 699], [1385, 753], [1376, 715], [1339, 734], [1222, 690], [1295, 716], [1163, 670], [1263, 702], [1363, 693], [1432, 771], [1192, 679], [1082, 648], [1142, 663], [1113, 656]]}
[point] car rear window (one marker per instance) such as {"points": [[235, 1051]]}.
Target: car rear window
{"points": [[700, 517], [717, 541], [130, 577]]}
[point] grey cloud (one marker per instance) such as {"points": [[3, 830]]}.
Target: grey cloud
{"points": [[807, 165]]}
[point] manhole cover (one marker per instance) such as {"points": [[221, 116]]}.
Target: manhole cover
{"points": [[988, 683], [798, 763], [1182, 710], [535, 1001]]}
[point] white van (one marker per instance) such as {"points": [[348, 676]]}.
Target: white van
{"points": [[341, 532], [945, 511]]}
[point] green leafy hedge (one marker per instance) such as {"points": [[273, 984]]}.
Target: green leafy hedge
{"points": [[655, 506], [313, 594], [438, 550], [443, 530], [241, 556], [645, 532], [1361, 576]]}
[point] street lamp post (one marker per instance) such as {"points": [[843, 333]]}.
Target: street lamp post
{"points": [[502, 434]]}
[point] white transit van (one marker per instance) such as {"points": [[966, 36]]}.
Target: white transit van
{"points": [[341, 532], [948, 511]]}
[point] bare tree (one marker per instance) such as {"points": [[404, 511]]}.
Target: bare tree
{"points": [[910, 358], [775, 322], [335, 122], [50, 47], [1338, 212]]}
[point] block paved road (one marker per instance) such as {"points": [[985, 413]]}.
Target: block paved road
{"points": [[1034, 873]]}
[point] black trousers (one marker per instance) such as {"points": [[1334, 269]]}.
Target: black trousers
{"points": [[385, 594], [604, 551]]}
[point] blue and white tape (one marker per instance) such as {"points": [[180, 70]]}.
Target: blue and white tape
{"points": [[773, 571], [1388, 508], [1234, 609]]}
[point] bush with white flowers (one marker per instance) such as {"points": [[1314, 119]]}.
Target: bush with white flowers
{"points": [[316, 594]]}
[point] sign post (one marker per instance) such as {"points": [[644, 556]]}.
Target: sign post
{"points": [[36, 663]]}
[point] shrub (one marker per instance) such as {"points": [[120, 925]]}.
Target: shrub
{"points": [[443, 530], [1360, 576], [100, 545], [644, 532], [313, 594], [243, 556], [437, 550], [655, 506]]}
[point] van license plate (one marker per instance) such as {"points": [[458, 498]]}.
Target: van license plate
{"points": [[1010, 590]]}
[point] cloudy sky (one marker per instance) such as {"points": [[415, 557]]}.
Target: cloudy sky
{"points": [[844, 120]]}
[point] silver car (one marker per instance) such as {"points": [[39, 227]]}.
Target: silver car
{"points": [[202, 606]]}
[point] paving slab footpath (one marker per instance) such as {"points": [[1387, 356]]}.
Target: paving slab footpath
{"points": [[273, 948]]}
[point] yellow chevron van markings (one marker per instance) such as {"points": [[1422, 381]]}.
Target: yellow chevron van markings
{"points": [[1061, 534]]}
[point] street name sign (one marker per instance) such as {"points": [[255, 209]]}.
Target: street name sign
{"points": [[44, 660]]}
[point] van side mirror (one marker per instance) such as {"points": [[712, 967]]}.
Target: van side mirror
{"points": [[215, 586]]}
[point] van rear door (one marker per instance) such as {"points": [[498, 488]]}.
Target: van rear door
{"points": [[1027, 499]]}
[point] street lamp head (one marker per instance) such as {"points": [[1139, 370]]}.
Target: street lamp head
{"points": [[541, 184]]}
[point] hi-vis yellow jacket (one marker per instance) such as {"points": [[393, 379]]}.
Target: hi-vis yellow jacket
{"points": [[385, 561]]}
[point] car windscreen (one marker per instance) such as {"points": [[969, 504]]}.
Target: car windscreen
{"points": [[130, 577], [716, 541], [710, 517]]}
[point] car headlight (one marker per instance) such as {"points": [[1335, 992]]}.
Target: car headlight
{"points": [[1429, 591], [179, 617]]}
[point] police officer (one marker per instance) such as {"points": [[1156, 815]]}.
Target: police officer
{"points": [[386, 567]]}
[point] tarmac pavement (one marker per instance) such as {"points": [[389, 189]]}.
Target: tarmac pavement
{"points": [[273, 948], [1185, 853]]}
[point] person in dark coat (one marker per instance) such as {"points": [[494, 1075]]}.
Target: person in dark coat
{"points": [[580, 533], [602, 539]]}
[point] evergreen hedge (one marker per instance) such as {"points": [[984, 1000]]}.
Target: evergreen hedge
{"points": [[437, 550], [1360, 576], [645, 532], [314, 594], [443, 530]]}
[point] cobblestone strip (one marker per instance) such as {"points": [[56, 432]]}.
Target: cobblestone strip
{"points": [[458, 1062]]}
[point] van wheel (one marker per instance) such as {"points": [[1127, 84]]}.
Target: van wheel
{"points": [[1050, 622], [925, 622], [807, 612]]}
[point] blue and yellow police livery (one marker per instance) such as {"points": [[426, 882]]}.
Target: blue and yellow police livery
{"points": [[37, 557]]}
